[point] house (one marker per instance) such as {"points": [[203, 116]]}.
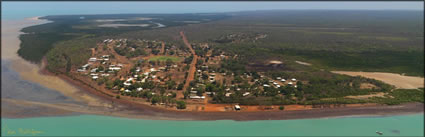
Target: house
{"points": [[194, 92], [237, 107], [194, 97], [92, 59], [278, 86], [127, 90], [212, 78], [81, 70], [228, 94], [245, 94], [93, 70], [129, 79], [293, 79], [290, 83], [139, 89], [95, 77], [265, 85], [283, 80], [278, 78], [127, 84], [153, 69], [85, 66], [114, 68]]}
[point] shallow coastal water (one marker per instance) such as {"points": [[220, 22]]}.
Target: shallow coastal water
{"points": [[89, 125]]}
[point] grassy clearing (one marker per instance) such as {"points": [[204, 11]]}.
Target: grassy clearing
{"points": [[165, 58]]}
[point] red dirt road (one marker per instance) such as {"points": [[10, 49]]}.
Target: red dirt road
{"points": [[192, 69], [162, 48]]}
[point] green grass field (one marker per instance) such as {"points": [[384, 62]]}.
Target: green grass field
{"points": [[164, 58]]}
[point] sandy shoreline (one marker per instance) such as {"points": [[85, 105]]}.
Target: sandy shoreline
{"points": [[94, 102]]}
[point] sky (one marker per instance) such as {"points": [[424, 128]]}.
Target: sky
{"points": [[11, 9]]}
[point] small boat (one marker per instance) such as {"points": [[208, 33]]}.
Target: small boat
{"points": [[379, 132]]}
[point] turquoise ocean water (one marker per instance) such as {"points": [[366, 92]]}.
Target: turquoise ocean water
{"points": [[90, 125]]}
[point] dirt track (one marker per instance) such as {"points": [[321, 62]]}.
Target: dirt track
{"points": [[192, 69], [162, 48], [399, 81]]}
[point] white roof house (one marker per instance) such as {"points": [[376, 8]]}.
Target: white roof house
{"points": [[290, 83], [278, 78], [129, 79], [92, 59], [228, 94], [245, 94], [139, 89], [127, 90], [114, 68], [237, 107], [86, 65], [293, 79], [93, 70], [194, 97], [283, 80], [95, 77], [265, 85], [194, 92], [127, 84]]}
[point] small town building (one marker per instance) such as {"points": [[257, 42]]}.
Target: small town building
{"points": [[92, 59], [237, 107]]}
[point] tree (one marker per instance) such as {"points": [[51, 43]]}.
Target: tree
{"points": [[168, 62], [180, 86], [281, 107], [155, 99], [185, 94], [181, 105]]}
